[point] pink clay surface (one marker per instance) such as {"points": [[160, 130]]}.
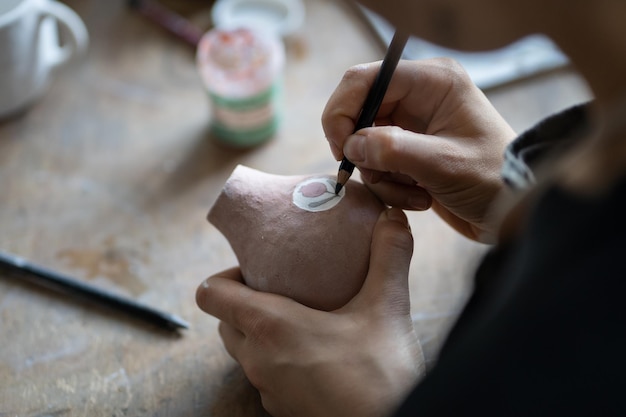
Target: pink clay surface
{"points": [[319, 259]]}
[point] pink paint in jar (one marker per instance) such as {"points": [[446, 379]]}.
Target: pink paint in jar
{"points": [[242, 71]]}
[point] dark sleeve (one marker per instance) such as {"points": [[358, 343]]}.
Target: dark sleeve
{"points": [[524, 157], [544, 333]]}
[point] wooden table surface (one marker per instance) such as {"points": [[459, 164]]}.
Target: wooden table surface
{"points": [[109, 178]]}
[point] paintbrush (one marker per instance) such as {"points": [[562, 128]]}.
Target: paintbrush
{"points": [[66, 285], [374, 99], [167, 19]]}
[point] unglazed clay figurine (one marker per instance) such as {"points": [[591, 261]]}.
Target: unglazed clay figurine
{"points": [[293, 236]]}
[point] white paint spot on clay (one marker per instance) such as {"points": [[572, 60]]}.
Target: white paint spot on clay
{"points": [[317, 194]]}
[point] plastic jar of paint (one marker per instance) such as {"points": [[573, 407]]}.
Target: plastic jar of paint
{"points": [[242, 71]]}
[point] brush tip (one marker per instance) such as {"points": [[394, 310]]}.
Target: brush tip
{"points": [[177, 323]]}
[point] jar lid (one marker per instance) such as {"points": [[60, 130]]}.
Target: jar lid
{"points": [[240, 62], [283, 17]]}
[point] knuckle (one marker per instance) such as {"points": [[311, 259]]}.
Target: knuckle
{"points": [[451, 70], [263, 328], [264, 340], [449, 155], [387, 147], [451, 66], [359, 79], [448, 63], [355, 72]]}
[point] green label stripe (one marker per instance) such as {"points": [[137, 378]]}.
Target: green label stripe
{"points": [[245, 138], [243, 104]]}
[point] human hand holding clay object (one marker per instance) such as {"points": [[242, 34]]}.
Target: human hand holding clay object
{"points": [[293, 236]]}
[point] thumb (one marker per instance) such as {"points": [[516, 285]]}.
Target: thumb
{"points": [[393, 149], [386, 284]]}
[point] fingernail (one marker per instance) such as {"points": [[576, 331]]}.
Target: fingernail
{"points": [[205, 283], [419, 202], [354, 149]]}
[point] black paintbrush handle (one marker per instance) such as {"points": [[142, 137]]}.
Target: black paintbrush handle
{"points": [[376, 94], [66, 285]]}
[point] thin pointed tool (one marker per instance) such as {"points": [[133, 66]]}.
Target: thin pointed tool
{"points": [[374, 99], [72, 287]]}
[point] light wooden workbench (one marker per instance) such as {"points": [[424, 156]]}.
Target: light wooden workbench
{"points": [[109, 178]]}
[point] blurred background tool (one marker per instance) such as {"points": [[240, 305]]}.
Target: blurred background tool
{"points": [[74, 288], [168, 19], [530, 56]]}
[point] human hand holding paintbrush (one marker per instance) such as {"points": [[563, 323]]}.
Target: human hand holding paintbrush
{"points": [[437, 142]]}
